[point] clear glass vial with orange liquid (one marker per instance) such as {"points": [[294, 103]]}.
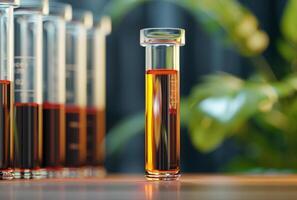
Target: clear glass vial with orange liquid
{"points": [[28, 89], [96, 47], [54, 85], [76, 93], [6, 88], [162, 115]]}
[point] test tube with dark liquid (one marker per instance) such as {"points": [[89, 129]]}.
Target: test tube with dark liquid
{"points": [[76, 87], [28, 89], [96, 96], [6, 88], [54, 87], [162, 114]]}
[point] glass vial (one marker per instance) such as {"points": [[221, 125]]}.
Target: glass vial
{"points": [[162, 114], [6, 88], [28, 89], [54, 87], [96, 48], [76, 93]]}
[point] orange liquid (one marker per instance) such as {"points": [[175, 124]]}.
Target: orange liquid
{"points": [[6, 119], [95, 136], [28, 135], [162, 138], [53, 135], [76, 137]]}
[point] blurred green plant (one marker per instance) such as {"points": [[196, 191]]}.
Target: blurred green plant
{"points": [[259, 112], [116, 9]]}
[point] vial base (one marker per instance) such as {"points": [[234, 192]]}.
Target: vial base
{"points": [[30, 173], [162, 176], [54, 172], [94, 171], [6, 174], [75, 172]]}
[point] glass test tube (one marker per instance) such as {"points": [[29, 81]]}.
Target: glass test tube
{"points": [[96, 47], [54, 87], [76, 87], [6, 88], [28, 88], [162, 114]]}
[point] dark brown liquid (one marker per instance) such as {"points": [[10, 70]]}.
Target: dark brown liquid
{"points": [[53, 135], [6, 137], [95, 136], [28, 135], [76, 143], [162, 122]]}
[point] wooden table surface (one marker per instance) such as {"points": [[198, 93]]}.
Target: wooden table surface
{"points": [[136, 187]]}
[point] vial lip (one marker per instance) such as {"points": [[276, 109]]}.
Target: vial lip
{"points": [[10, 2], [104, 24], [60, 9], [84, 17], [162, 36], [34, 5]]}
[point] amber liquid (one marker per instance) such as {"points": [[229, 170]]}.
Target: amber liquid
{"points": [[53, 136], [28, 136], [76, 139], [162, 138], [6, 136], [95, 136]]}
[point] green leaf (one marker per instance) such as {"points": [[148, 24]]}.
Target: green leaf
{"points": [[184, 112], [231, 21], [289, 22], [222, 104], [116, 9], [215, 85], [120, 134], [206, 134], [287, 50], [274, 120]]}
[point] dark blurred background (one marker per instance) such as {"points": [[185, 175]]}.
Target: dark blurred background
{"points": [[203, 54]]}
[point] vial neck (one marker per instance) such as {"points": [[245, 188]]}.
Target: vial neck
{"points": [[162, 56]]}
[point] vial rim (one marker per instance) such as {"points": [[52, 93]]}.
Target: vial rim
{"points": [[162, 35], [60, 9]]}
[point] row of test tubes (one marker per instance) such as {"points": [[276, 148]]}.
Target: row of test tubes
{"points": [[52, 90]]}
